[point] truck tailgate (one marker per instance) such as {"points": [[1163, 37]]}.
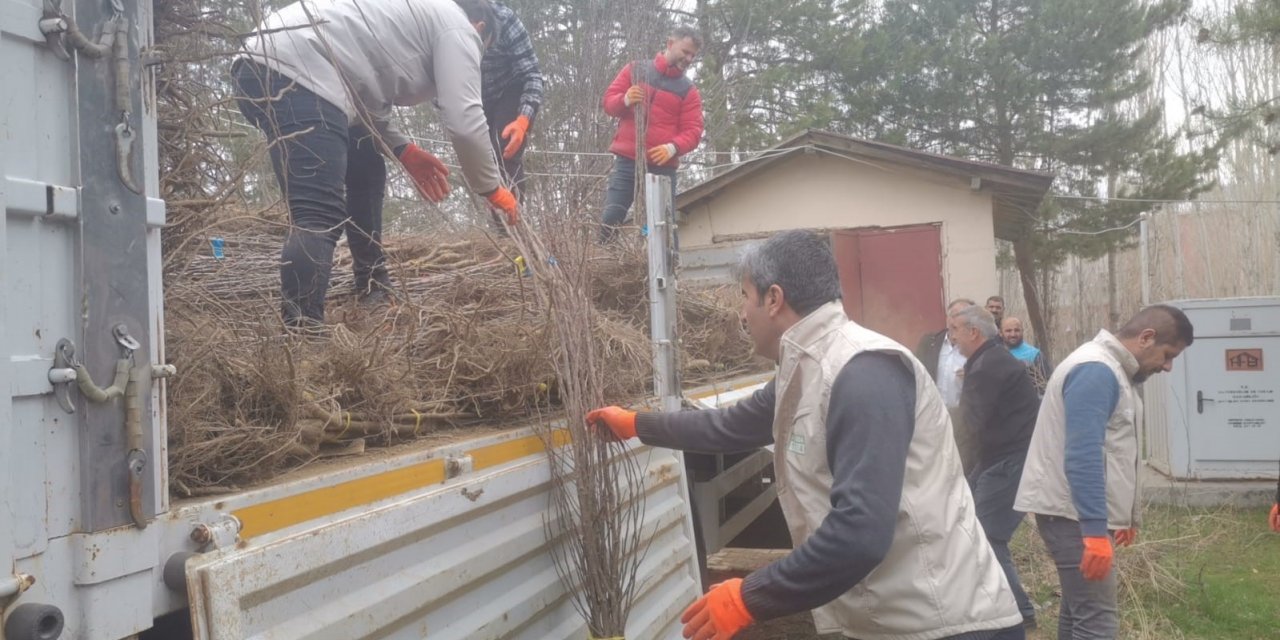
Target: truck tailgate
{"points": [[457, 557]]}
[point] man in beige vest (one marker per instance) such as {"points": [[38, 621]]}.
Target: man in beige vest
{"points": [[887, 545], [1081, 477]]}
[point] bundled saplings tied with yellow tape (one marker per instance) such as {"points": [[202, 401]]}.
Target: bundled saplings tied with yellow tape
{"points": [[460, 345]]}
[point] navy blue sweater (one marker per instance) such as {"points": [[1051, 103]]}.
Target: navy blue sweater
{"points": [[870, 422]]}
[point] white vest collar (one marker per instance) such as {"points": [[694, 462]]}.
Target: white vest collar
{"points": [[811, 328], [1117, 350]]}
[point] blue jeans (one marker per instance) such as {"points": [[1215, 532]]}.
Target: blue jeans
{"points": [[994, 490], [332, 177], [621, 192]]}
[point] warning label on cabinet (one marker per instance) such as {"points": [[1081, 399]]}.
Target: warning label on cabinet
{"points": [[1244, 359], [1256, 402], [1246, 423], [1245, 394]]}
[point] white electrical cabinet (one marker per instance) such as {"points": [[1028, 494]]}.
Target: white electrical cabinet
{"points": [[1217, 414]]}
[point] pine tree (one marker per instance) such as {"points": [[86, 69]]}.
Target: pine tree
{"points": [[1037, 84], [1253, 111], [767, 64]]}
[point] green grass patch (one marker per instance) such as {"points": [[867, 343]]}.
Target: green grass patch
{"points": [[1194, 573]]}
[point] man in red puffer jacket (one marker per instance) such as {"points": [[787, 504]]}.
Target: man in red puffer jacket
{"points": [[673, 124]]}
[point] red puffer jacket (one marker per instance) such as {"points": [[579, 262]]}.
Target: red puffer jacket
{"points": [[675, 110]]}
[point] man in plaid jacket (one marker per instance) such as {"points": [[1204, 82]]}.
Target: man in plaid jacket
{"points": [[511, 91]]}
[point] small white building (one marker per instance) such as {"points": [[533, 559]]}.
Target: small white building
{"points": [[910, 229]]}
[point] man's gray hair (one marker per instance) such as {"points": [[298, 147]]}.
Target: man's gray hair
{"points": [[680, 32], [978, 318], [799, 262]]}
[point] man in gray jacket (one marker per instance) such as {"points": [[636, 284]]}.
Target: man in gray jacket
{"points": [[321, 79], [887, 544], [1082, 470]]}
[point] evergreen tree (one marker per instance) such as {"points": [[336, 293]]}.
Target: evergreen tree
{"points": [[1036, 84], [767, 64], [1252, 111]]}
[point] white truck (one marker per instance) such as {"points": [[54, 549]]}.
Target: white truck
{"points": [[442, 542]]}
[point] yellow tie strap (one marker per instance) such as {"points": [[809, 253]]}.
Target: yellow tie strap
{"points": [[346, 425]]}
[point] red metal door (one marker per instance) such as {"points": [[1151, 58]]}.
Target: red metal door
{"points": [[892, 279]]}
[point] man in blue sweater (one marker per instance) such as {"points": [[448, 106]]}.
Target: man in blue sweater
{"points": [[1036, 362], [1081, 477]]}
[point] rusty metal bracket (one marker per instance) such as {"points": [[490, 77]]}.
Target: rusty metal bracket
{"points": [[137, 464], [15, 584], [456, 465], [219, 534], [124, 153]]}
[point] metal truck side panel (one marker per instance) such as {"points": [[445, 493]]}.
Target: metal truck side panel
{"points": [[467, 559]]}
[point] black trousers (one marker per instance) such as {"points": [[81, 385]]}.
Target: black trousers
{"points": [[332, 177], [500, 112]]}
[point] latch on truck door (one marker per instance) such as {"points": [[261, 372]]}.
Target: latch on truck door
{"points": [[131, 383]]}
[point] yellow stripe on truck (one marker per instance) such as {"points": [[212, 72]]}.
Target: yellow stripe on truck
{"points": [[285, 512], [504, 452], [282, 513]]}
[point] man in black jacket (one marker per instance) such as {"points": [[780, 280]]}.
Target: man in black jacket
{"points": [[999, 403]]}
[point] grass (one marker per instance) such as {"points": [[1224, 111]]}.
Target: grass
{"points": [[1194, 574]]}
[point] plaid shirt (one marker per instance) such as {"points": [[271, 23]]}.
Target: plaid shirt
{"points": [[510, 61]]}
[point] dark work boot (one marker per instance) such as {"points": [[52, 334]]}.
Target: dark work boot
{"points": [[377, 291], [300, 324]]}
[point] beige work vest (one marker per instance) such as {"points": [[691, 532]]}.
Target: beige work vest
{"points": [[940, 577], [1044, 487]]}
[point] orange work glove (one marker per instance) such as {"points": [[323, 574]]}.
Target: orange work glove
{"points": [[621, 422], [428, 172], [634, 96], [662, 153], [1095, 563], [718, 615], [1125, 537], [1275, 517], [505, 201], [515, 132]]}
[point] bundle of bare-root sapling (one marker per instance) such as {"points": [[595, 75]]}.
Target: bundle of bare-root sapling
{"points": [[596, 519]]}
